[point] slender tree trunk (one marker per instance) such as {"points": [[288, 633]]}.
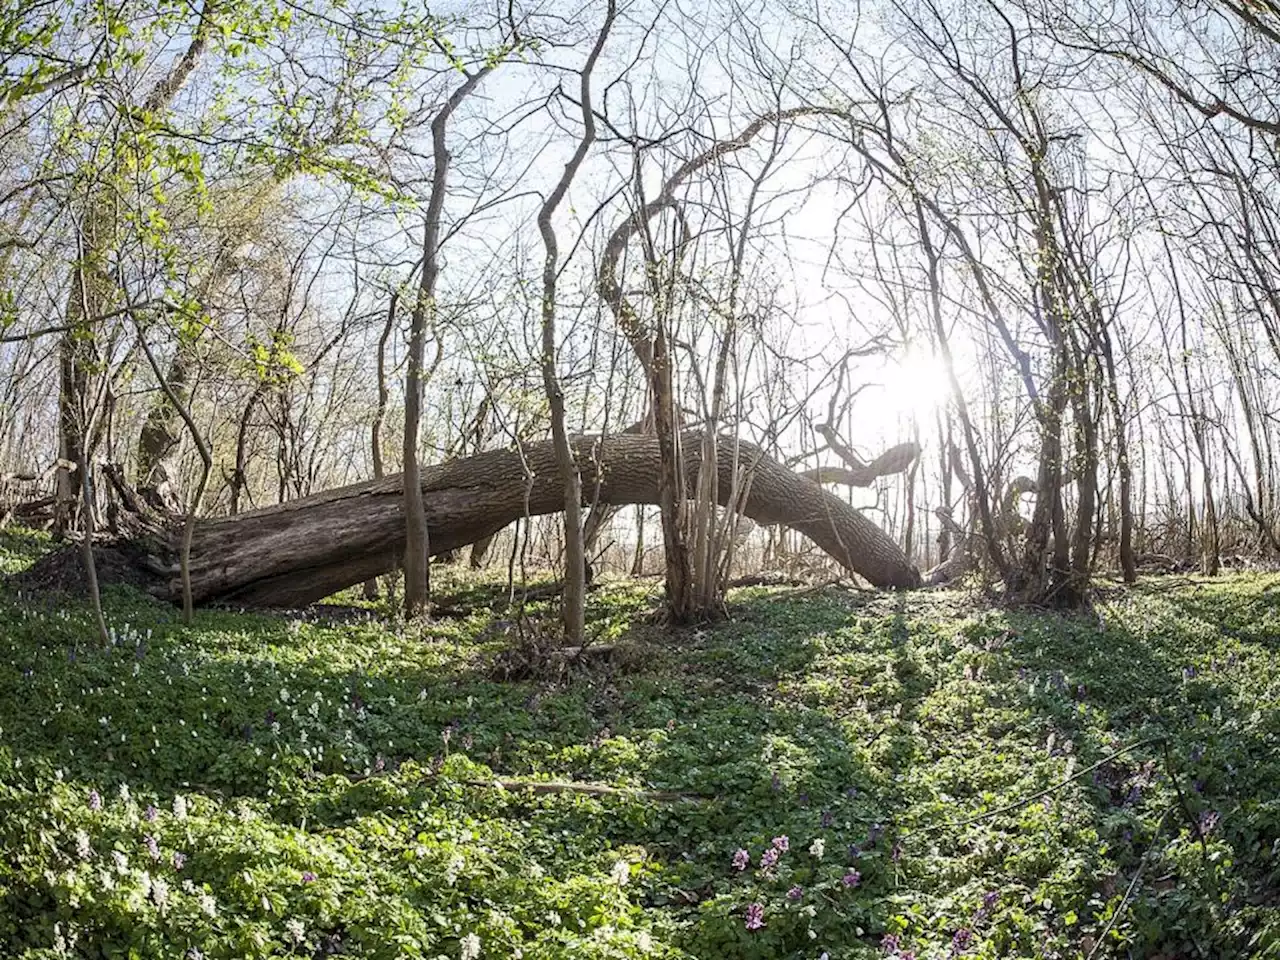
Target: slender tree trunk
{"points": [[380, 415], [573, 602], [239, 475], [1128, 563], [90, 565], [417, 564]]}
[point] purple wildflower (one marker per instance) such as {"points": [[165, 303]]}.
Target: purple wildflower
{"points": [[755, 916], [151, 813], [988, 904], [1208, 821], [827, 819], [179, 860], [741, 860], [895, 853], [95, 800], [308, 876], [152, 847], [781, 844], [851, 879], [769, 858], [962, 941], [795, 893], [889, 943]]}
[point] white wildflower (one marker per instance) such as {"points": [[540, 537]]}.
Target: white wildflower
{"points": [[121, 861], [208, 905], [456, 863], [296, 929], [160, 892], [470, 947], [621, 873], [818, 848], [644, 941], [179, 806], [84, 849]]}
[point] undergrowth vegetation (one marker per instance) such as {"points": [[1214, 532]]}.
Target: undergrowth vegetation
{"points": [[827, 775]]}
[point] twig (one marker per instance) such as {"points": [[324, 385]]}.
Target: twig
{"points": [[1017, 804], [1133, 885], [553, 786], [1182, 800], [591, 789]]}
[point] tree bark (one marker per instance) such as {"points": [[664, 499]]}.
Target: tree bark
{"points": [[574, 596], [417, 569], [296, 553]]}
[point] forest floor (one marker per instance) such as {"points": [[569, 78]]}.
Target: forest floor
{"points": [[827, 774]]}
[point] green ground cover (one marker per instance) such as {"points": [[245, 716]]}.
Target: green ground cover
{"points": [[858, 776]]}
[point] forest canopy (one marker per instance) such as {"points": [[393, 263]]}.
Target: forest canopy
{"points": [[1001, 276]]}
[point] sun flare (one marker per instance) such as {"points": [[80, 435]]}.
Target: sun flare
{"points": [[915, 384]]}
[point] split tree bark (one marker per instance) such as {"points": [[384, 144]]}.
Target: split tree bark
{"points": [[299, 552]]}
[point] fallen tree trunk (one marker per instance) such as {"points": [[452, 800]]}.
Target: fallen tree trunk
{"points": [[299, 552]]}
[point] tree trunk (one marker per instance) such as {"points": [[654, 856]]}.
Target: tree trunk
{"points": [[296, 553], [380, 415]]}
